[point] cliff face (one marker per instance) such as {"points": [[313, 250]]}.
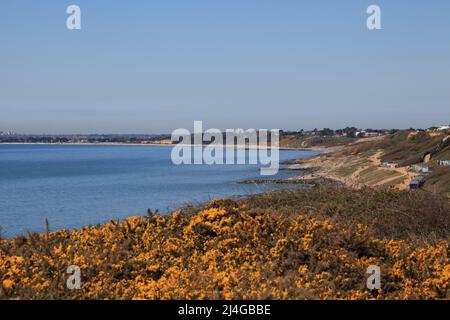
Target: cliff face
{"points": [[358, 164]]}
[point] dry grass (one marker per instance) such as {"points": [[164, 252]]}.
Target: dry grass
{"points": [[295, 141], [439, 181], [402, 147]]}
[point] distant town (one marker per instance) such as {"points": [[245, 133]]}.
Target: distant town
{"points": [[351, 132], [11, 137]]}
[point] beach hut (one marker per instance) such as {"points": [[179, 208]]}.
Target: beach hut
{"points": [[417, 182], [443, 163]]}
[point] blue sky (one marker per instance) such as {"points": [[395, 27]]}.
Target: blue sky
{"points": [[153, 66]]}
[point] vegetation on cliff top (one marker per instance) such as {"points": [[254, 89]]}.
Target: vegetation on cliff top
{"points": [[305, 244]]}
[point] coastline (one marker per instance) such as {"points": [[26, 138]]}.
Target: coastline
{"points": [[313, 170], [250, 147], [87, 143], [351, 169]]}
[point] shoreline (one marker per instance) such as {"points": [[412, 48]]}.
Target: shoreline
{"points": [[88, 143], [252, 147]]}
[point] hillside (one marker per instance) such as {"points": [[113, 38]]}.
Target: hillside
{"points": [[306, 244], [357, 164], [439, 181], [408, 148], [296, 141]]}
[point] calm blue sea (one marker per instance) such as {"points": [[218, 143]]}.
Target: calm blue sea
{"points": [[77, 185]]}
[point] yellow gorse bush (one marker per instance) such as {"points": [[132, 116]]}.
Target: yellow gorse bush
{"points": [[225, 251]]}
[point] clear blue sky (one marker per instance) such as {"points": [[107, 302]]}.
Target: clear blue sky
{"points": [[153, 66]]}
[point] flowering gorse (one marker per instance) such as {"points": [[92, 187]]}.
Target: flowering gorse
{"points": [[225, 251]]}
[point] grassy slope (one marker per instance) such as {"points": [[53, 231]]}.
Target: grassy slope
{"points": [[403, 147], [439, 181], [407, 149], [444, 154], [294, 141]]}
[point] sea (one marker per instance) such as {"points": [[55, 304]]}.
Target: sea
{"points": [[77, 185]]}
